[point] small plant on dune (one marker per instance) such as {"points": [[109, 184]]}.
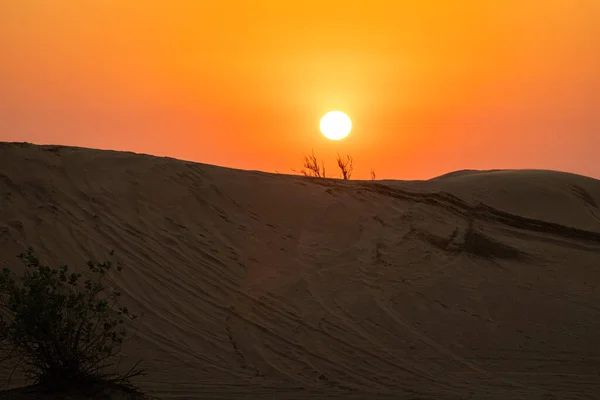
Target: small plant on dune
{"points": [[346, 166], [311, 166], [60, 331], [373, 176]]}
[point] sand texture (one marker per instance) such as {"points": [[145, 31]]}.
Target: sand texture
{"points": [[476, 284]]}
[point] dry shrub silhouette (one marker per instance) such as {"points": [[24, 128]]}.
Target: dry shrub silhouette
{"points": [[311, 166], [346, 166], [373, 176]]}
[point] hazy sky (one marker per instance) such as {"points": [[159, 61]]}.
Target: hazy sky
{"points": [[431, 85]]}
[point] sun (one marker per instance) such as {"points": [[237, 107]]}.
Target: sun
{"points": [[335, 125]]}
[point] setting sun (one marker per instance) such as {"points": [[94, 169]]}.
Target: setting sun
{"points": [[335, 125]]}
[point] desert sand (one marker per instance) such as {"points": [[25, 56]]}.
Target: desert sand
{"points": [[476, 284]]}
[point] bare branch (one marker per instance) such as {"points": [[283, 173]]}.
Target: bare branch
{"points": [[346, 166], [311, 166]]}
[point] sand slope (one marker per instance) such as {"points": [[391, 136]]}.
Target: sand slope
{"points": [[472, 285]]}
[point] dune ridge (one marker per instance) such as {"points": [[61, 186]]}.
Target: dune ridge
{"points": [[471, 285]]}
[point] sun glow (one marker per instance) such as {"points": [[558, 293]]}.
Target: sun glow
{"points": [[335, 125]]}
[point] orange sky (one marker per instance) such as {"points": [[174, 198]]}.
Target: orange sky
{"points": [[431, 85]]}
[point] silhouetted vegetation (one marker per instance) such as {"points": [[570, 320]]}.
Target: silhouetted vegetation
{"points": [[59, 331], [311, 166], [373, 176], [346, 166]]}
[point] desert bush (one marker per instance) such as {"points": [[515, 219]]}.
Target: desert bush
{"points": [[346, 166], [58, 330], [373, 176], [312, 167]]}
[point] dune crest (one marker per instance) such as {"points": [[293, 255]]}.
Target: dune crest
{"points": [[479, 284]]}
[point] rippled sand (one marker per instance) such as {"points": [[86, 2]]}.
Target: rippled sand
{"points": [[476, 284]]}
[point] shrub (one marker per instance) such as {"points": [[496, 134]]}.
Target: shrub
{"points": [[312, 167], [346, 166], [60, 331]]}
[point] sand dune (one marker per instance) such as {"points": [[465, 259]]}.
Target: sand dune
{"points": [[472, 285]]}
